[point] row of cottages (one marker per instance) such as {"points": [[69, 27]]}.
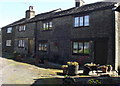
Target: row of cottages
{"points": [[90, 32]]}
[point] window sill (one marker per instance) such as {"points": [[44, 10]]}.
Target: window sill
{"points": [[42, 51], [21, 47], [22, 31], [81, 26], [8, 46], [46, 30], [9, 33], [80, 54]]}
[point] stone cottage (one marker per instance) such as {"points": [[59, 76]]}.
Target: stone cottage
{"points": [[19, 36], [88, 31]]}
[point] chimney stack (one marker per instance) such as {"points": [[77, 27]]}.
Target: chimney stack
{"points": [[79, 3], [30, 13]]}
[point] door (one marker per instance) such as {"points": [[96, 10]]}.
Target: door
{"points": [[101, 51], [30, 46]]}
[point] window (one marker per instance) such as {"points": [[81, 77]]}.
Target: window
{"points": [[86, 47], [81, 48], [50, 25], [22, 28], [47, 25], [86, 20], [76, 21], [21, 43], [44, 25], [9, 30], [81, 21], [8, 42], [43, 46]]}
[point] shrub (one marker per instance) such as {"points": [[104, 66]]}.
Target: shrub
{"points": [[64, 66], [94, 82], [72, 63]]}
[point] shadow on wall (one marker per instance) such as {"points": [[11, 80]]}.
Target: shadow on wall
{"points": [[119, 70]]}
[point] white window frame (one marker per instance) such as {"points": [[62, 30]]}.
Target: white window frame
{"points": [[22, 28], [9, 30], [21, 43], [76, 21], [50, 24], [86, 20], [44, 25], [43, 46], [8, 42], [79, 47], [47, 25], [81, 21]]}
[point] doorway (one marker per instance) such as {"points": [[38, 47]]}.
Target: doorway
{"points": [[30, 46], [100, 51]]}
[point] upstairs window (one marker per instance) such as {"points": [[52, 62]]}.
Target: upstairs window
{"points": [[81, 21], [76, 21], [8, 42], [9, 30], [43, 46], [81, 48], [21, 43], [86, 20], [22, 28], [47, 25]]}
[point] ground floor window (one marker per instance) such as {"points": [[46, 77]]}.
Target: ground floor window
{"points": [[8, 42], [81, 47], [43, 46], [21, 43]]}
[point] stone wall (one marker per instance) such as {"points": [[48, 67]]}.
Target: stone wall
{"points": [[7, 36], [63, 32], [26, 35]]}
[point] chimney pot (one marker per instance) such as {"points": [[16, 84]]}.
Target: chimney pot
{"points": [[30, 13], [31, 8], [79, 3]]}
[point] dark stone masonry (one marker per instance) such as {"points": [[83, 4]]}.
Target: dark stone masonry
{"points": [[88, 31]]}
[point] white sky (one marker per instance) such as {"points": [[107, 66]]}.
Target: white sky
{"points": [[13, 10]]}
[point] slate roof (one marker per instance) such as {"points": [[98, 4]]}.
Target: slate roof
{"points": [[14, 23], [71, 11], [74, 10]]}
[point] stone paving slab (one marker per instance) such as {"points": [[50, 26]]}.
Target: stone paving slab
{"points": [[22, 73]]}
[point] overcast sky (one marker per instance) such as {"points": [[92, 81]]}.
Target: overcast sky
{"points": [[13, 10]]}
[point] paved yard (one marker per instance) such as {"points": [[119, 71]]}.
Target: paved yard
{"points": [[12, 72]]}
